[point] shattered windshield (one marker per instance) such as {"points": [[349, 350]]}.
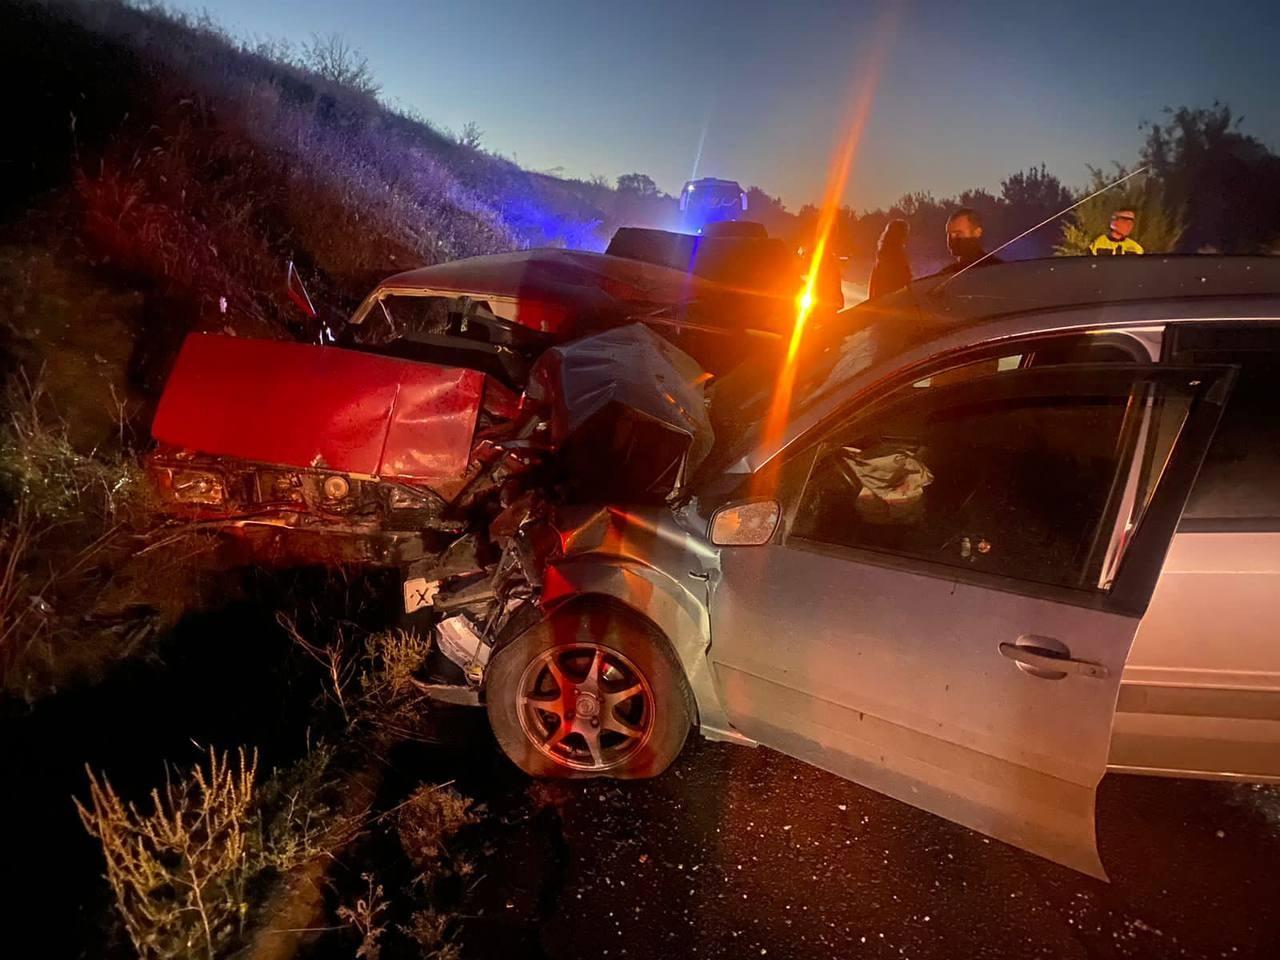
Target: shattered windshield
{"points": [[397, 314]]}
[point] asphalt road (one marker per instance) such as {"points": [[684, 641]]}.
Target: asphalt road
{"points": [[746, 853]]}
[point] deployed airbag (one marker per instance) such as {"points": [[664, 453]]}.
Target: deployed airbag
{"points": [[627, 413]]}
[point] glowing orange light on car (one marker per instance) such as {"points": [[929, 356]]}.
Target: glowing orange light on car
{"points": [[837, 176]]}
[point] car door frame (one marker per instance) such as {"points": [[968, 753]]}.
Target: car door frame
{"points": [[1135, 579], [1201, 719], [1136, 576]]}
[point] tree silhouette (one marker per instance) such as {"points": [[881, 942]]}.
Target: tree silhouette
{"points": [[1227, 182], [638, 184], [333, 58]]}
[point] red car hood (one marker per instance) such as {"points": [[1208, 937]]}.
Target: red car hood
{"points": [[301, 405]]}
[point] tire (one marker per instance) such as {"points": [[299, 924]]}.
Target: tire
{"points": [[589, 692]]}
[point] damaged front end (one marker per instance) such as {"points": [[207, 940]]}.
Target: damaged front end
{"points": [[625, 422], [384, 456]]}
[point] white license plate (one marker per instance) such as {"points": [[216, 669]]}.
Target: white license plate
{"points": [[419, 593]]}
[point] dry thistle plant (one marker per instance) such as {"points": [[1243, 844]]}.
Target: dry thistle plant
{"points": [[334, 658], [188, 873], [430, 816], [429, 929], [179, 872], [365, 917], [391, 659]]}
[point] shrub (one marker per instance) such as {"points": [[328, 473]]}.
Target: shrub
{"points": [[43, 474], [364, 916], [186, 871], [429, 929], [179, 872], [427, 819], [63, 515]]}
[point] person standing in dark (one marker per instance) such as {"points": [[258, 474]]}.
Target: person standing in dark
{"points": [[892, 270], [1118, 240], [964, 240]]}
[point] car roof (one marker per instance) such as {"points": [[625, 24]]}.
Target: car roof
{"points": [[988, 292], [713, 182], [552, 274], [940, 313]]}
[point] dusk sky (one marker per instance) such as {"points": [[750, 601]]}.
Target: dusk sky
{"points": [[970, 91]]}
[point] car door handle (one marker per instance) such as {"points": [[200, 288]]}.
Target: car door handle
{"points": [[1041, 657]]}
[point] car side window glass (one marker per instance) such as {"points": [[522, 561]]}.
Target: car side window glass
{"points": [[1240, 477], [985, 475]]}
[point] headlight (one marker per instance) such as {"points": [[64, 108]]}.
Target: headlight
{"points": [[197, 486], [403, 498], [335, 487]]}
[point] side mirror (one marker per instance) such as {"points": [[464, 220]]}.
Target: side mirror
{"points": [[749, 524], [297, 293]]}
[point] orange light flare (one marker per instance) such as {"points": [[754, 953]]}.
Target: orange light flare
{"points": [[863, 95]]}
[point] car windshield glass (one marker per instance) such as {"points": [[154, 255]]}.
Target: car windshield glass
{"points": [[714, 196], [829, 358], [406, 314]]}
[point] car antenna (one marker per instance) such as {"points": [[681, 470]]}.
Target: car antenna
{"points": [[936, 291]]}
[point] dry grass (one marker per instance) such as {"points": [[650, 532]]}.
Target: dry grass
{"points": [[429, 930], [43, 472], [334, 658], [298, 813], [372, 685], [255, 153], [187, 871], [391, 705], [424, 824], [425, 821], [64, 513], [391, 658], [364, 916], [179, 872]]}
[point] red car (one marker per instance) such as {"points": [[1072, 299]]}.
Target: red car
{"points": [[459, 397]]}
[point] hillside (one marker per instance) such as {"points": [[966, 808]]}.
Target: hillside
{"points": [[164, 176], [200, 164]]}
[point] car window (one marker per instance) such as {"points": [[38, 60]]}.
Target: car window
{"points": [[1018, 474], [395, 315], [1240, 478]]}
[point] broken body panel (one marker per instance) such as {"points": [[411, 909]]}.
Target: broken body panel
{"points": [[298, 405], [562, 398]]}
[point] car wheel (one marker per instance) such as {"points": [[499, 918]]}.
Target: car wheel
{"points": [[589, 692]]}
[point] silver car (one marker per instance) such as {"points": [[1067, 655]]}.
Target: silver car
{"points": [[1003, 533]]}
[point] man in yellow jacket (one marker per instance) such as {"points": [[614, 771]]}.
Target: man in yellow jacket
{"points": [[1117, 240]]}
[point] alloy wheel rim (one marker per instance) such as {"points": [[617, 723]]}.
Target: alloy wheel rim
{"points": [[585, 706]]}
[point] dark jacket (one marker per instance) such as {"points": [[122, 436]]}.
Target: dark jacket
{"points": [[959, 265], [891, 272]]}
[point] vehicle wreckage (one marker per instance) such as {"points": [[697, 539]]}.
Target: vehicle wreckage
{"points": [[972, 566], [463, 408]]}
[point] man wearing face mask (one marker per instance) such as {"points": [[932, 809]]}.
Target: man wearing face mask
{"points": [[964, 240]]}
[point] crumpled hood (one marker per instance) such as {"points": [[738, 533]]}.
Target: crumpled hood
{"points": [[627, 412], [303, 405]]}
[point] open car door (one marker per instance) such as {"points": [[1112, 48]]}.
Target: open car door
{"points": [[947, 605]]}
